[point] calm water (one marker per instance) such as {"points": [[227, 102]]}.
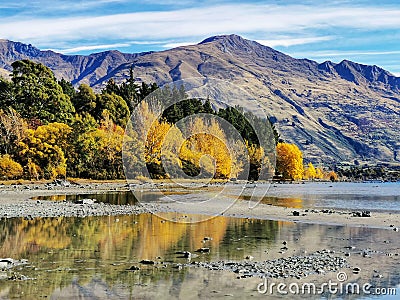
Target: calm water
{"points": [[88, 258], [120, 198], [340, 195]]}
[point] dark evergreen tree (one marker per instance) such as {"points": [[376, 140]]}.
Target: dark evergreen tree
{"points": [[67, 87], [38, 93], [84, 100]]}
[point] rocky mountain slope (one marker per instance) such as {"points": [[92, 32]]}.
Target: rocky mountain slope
{"points": [[333, 112]]}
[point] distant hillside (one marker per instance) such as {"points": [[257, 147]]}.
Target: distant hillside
{"points": [[334, 112]]}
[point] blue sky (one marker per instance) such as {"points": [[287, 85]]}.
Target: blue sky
{"points": [[363, 31]]}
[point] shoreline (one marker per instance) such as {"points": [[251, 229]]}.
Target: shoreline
{"points": [[15, 201]]}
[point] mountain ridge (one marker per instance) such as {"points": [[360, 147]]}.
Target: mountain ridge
{"points": [[335, 112]]}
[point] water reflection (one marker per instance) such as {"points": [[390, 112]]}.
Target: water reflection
{"points": [[89, 257], [118, 198], [73, 251], [144, 236], [277, 201]]}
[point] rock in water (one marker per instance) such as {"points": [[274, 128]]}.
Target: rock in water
{"points": [[147, 262], [203, 250], [6, 263], [85, 201]]}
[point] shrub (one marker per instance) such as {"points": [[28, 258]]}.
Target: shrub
{"points": [[9, 169]]}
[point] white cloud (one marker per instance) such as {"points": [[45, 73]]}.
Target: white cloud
{"points": [[198, 23], [104, 46], [90, 47], [287, 42]]}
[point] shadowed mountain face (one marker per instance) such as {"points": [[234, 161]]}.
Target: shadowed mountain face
{"points": [[333, 112]]}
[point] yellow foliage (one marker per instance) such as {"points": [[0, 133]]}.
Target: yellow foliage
{"points": [[43, 150], [310, 172], [33, 169], [257, 157], [9, 168], [289, 161], [332, 176], [154, 141], [207, 148], [104, 151], [133, 151], [319, 173], [13, 128]]}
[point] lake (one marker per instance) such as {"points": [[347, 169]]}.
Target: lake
{"points": [[381, 196], [90, 258]]}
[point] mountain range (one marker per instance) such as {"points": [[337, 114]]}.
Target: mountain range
{"points": [[335, 112]]}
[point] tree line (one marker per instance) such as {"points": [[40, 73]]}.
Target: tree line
{"points": [[49, 129]]}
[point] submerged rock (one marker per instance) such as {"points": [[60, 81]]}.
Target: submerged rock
{"points": [[147, 262], [185, 254], [8, 263], [203, 250]]}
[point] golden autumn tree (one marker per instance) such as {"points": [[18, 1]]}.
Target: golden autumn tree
{"points": [[154, 141], [42, 150], [9, 169], [332, 176], [105, 144], [170, 151], [310, 172], [12, 129], [319, 173], [207, 148], [133, 150], [289, 161], [258, 158]]}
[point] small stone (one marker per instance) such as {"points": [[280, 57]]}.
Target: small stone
{"points": [[203, 250], [366, 214], [147, 262], [350, 247], [178, 267], [366, 254]]}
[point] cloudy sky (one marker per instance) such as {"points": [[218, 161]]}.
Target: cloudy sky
{"points": [[359, 30]]}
